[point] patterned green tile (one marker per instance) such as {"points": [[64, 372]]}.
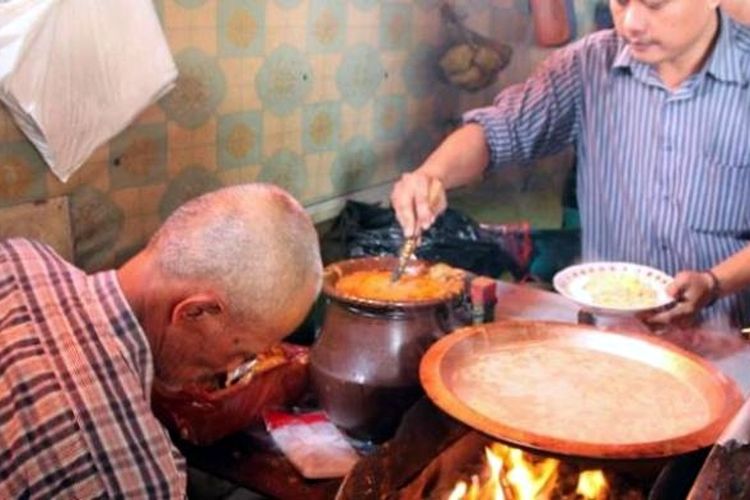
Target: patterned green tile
{"points": [[285, 169], [359, 75], [190, 183], [245, 36], [522, 6], [97, 222], [190, 4], [396, 25], [322, 126], [22, 173], [476, 5], [364, 4], [354, 166], [159, 7], [138, 156], [289, 4], [390, 117], [201, 86], [326, 26], [414, 149], [512, 26], [427, 5], [239, 139], [447, 107], [284, 80], [420, 71], [242, 27]]}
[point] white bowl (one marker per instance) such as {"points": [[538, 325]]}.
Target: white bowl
{"points": [[620, 288]]}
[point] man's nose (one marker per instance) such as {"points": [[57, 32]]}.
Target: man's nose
{"points": [[634, 20]]}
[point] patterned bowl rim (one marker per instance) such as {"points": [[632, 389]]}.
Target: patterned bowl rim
{"points": [[564, 278]]}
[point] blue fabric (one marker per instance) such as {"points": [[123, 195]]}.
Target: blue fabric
{"points": [[663, 176]]}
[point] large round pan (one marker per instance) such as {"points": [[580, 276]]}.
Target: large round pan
{"points": [[576, 391]]}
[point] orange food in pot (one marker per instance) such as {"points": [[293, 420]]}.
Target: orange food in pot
{"points": [[438, 282]]}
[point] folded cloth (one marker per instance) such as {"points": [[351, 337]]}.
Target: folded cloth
{"points": [[74, 73]]}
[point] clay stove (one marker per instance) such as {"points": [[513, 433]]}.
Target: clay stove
{"points": [[435, 456]]}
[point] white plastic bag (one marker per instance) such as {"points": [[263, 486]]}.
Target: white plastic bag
{"points": [[74, 73], [315, 447], [19, 21]]}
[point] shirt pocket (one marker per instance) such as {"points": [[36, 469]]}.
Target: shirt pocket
{"points": [[719, 199]]}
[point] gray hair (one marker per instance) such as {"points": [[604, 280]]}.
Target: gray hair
{"points": [[253, 242]]}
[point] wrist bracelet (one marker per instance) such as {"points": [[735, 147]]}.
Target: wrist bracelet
{"points": [[715, 290]]}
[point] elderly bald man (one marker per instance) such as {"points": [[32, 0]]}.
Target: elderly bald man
{"points": [[227, 275]]}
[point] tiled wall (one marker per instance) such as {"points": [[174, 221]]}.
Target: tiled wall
{"points": [[325, 97]]}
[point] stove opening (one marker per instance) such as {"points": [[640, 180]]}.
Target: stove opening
{"points": [[508, 473]]}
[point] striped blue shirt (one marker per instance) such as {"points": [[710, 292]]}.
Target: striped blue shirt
{"points": [[663, 176]]}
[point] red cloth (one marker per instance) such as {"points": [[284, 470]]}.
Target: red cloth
{"points": [[202, 417]]}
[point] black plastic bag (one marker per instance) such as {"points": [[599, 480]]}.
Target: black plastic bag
{"points": [[363, 229]]}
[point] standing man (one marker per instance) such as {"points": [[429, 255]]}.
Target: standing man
{"points": [[227, 275], [658, 111]]}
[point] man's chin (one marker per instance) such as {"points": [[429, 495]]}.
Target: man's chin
{"points": [[648, 54], [643, 50]]}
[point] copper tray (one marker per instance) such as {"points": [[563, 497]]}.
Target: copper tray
{"points": [[577, 391]]}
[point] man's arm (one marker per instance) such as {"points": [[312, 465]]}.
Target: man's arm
{"points": [[526, 121], [733, 274], [461, 157], [697, 289]]}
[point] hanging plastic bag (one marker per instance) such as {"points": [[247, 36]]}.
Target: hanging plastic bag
{"points": [[74, 73], [19, 22]]}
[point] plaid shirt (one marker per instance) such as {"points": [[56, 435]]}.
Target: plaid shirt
{"points": [[75, 381]]}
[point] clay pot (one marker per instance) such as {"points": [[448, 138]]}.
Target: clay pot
{"points": [[364, 364]]}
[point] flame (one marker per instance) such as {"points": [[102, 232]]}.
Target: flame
{"points": [[592, 485], [512, 476]]}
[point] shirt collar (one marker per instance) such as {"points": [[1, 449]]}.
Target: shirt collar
{"points": [[624, 61], [624, 58], [131, 339], [723, 64]]}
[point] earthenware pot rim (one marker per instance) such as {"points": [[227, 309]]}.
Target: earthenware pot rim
{"points": [[336, 270]]}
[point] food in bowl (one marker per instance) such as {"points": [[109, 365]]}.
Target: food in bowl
{"points": [[433, 282], [620, 290], [615, 287]]}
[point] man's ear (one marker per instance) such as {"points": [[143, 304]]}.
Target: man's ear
{"points": [[197, 307]]}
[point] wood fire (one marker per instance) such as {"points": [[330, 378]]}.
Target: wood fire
{"points": [[512, 474]]}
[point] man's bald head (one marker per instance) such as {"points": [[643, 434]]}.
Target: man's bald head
{"points": [[255, 243]]}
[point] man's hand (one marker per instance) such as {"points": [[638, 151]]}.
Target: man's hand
{"points": [[417, 200], [692, 290]]}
